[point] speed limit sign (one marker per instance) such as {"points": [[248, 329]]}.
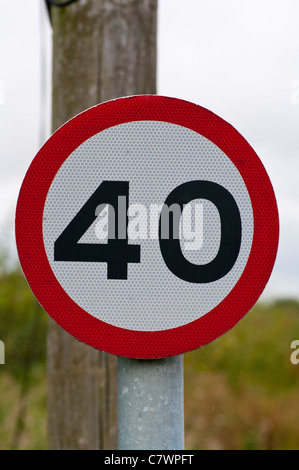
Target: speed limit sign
{"points": [[147, 226]]}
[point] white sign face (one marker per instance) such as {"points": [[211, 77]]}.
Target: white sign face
{"points": [[148, 233], [154, 157]]}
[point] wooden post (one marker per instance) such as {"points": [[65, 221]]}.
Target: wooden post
{"points": [[102, 49]]}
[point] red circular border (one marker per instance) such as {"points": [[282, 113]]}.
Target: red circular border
{"points": [[48, 291]]}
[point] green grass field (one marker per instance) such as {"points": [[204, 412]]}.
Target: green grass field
{"points": [[240, 390]]}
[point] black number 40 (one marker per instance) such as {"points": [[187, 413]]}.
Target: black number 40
{"points": [[117, 252]]}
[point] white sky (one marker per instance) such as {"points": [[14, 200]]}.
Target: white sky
{"points": [[238, 58]]}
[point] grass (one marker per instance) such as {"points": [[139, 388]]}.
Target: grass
{"points": [[240, 390]]}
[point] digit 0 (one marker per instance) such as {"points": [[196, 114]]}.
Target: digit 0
{"points": [[230, 232]]}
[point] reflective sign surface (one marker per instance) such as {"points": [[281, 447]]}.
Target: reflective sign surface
{"points": [[154, 226]]}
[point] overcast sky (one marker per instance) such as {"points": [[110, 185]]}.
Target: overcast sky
{"points": [[238, 58]]}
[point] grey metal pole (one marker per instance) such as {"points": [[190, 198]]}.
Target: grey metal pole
{"points": [[150, 403]]}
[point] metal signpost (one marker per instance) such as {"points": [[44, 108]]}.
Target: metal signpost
{"points": [[147, 227]]}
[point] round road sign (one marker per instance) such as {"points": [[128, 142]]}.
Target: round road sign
{"points": [[147, 226]]}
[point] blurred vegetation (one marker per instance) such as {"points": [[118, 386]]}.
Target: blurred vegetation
{"points": [[23, 329], [240, 390]]}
